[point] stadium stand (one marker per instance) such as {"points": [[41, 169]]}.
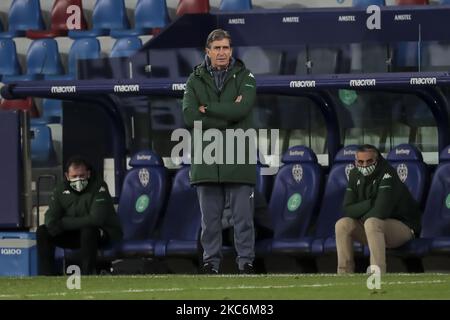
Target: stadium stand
{"points": [[142, 202], [192, 6], [9, 62], [61, 11], [43, 59], [108, 15], [150, 16], [23, 15], [235, 5], [125, 47]]}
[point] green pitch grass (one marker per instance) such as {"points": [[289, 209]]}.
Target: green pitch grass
{"points": [[235, 287]]}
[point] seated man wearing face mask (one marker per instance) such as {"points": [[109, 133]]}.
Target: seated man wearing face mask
{"points": [[81, 215], [379, 211]]}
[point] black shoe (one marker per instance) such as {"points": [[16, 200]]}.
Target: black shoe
{"points": [[248, 269], [208, 268]]}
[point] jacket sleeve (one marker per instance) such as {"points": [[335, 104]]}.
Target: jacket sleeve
{"points": [[191, 112], [236, 111], [384, 202], [54, 214], [101, 207], [353, 208]]}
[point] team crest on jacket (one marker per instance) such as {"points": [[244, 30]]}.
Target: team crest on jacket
{"points": [[348, 168], [144, 177], [297, 173], [402, 171]]}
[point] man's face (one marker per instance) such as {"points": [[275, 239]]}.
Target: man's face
{"points": [[219, 52], [365, 159], [77, 172]]}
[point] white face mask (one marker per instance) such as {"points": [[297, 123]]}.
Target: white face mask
{"points": [[78, 184], [367, 171]]}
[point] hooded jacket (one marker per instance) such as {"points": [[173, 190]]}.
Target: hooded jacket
{"points": [[381, 195], [93, 207], [222, 113]]}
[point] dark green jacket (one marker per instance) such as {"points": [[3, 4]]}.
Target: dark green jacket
{"points": [[222, 113], [381, 195], [71, 210]]}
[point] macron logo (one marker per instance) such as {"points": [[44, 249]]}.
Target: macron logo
{"points": [[302, 84], [126, 88], [363, 83], [386, 176], [178, 86], [430, 80], [63, 89]]}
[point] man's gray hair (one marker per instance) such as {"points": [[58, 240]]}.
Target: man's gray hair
{"points": [[217, 34], [368, 148]]}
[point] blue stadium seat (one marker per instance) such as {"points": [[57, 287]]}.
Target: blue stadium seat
{"points": [[444, 2], [52, 110], [436, 217], [294, 202], [366, 3], [331, 209], [23, 15], [9, 62], [43, 60], [181, 224], [125, 47], [411, 169], [235, 5], [42, 152], [142, 202], [107, 15], [87, 48], [149, 17]]}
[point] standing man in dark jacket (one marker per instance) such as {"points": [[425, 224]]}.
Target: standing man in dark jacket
{"points": [[80, 215], [379, 211], [220, 94]]}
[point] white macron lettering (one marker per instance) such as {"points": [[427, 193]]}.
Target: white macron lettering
{"points": [[63, 89], [363, 83], [126, 88], [302, 84]]}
